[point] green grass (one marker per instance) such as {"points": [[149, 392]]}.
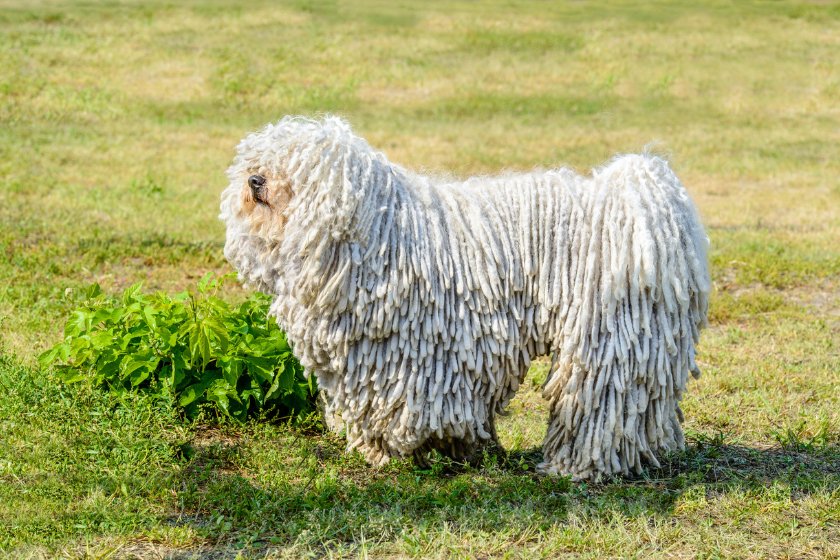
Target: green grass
{"points": [[118, 119], [84, 472]]}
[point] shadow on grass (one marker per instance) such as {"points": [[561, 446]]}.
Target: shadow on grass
{"points": [[713, 461], [326, 496]]}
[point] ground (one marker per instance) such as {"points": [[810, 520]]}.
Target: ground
{"points": [[118, 120]]}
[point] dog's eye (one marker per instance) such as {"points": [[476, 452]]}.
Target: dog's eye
{"points": [[255, 181]]}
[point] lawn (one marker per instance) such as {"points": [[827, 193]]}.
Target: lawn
{"points": [[118, 119]]}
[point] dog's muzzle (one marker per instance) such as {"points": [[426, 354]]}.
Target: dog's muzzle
{"points": [[255, 182]]}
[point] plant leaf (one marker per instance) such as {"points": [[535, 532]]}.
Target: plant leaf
{"points": [[48, 357], [130, 294], [195, 391], [93, 291], [219, 332], [149, 315]]}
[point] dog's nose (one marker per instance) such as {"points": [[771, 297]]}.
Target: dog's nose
{"points": [[255, 182]]}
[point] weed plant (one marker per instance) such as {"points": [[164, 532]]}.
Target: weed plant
{"points": [[192, 348]]}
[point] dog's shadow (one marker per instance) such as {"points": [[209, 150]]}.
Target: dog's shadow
{"points": [[713, 461], [340, 496], [704, 460]]}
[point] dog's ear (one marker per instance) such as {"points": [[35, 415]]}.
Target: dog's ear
{"points": [[338, 182]]}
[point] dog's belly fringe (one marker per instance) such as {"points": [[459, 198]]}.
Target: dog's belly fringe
{"points": [[421, 318]]}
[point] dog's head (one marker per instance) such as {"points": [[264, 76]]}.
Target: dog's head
{"points": [[257, 200], [293, 186]]}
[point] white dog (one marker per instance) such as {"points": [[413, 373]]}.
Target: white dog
{"points": [[418, 304]]}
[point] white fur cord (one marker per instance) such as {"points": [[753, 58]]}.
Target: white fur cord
{"points": [[419, 304]]}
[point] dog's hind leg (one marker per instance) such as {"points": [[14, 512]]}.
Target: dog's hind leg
{"points": [[572, 422]]}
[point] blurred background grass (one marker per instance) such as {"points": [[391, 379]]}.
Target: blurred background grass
{"points": [[120, 117]]}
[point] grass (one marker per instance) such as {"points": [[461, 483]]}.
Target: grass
{"points": [[119, 118]]}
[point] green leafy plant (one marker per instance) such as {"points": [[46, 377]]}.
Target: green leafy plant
{"points": [[192, 348]]}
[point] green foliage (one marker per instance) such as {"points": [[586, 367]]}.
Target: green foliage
{"points": [[192, 348]]}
